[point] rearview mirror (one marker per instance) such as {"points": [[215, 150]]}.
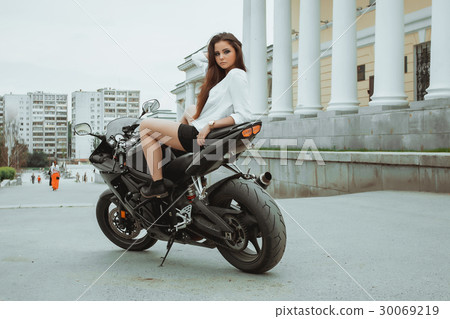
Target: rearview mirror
{"points": [[82, 129], [150, 106]]}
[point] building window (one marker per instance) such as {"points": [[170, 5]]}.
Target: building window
{"points": [[361, 69], [422, 57]]}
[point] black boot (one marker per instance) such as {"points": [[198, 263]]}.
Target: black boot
{"points": [[156, 189]]}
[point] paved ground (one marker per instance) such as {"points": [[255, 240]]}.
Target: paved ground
{"points": [[378, 245]]}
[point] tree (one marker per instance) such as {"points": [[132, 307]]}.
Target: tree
{"points": [[3, 151], [69, 139], [37, 159], [19, 156]]}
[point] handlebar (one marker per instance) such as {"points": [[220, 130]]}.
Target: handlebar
{"points": [[121, 160]]}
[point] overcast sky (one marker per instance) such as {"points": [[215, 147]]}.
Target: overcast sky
{"points": [[55, 46]]}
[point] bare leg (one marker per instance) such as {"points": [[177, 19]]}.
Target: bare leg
{"points": [[153, 132]]}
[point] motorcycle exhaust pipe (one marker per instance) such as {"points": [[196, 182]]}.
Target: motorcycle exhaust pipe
{"points": [[264, 180]]}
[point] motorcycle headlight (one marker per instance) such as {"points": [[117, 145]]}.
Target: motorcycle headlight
{"points": [[119, 137], [111, 141]]}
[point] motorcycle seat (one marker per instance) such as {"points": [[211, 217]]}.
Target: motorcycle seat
{"points": [[224, 131], [175, 169]]}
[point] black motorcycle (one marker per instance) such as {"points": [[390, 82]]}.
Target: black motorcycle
{"points": [[235, 215]]}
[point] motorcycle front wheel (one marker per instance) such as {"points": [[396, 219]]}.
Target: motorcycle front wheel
{"points": [[260, 233], [127, 233]]}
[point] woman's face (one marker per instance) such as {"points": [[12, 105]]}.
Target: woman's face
{"points": [[225, 55]]}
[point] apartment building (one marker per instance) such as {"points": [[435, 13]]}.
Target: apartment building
{"points": [[17, 118], [98, 109], [40, 121], [86, 108], [119, 103]]}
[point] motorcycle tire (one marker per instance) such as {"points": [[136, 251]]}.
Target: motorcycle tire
{"points": [[104, 208], [270, 231]]}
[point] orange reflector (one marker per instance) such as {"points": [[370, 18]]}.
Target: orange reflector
{"points": [[247, 132], [256, 129], [122, 213]]}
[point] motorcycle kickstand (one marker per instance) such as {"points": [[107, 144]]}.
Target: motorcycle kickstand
{"points": [[169, 246]]}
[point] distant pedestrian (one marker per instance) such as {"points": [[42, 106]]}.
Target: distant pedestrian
{"points": [[39, 179], [85, 178], [77, 178], [32, 178]]}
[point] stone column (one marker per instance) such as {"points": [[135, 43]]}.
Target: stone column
{"points": [[282, 61], [440, 48], [343, 68], [190, 94], [179, 109], [308, 59], [389, 88], [258, 57], [246, 32]]}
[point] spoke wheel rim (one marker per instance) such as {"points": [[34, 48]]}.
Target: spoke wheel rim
{"points": [[252, 252], [120, 229]]}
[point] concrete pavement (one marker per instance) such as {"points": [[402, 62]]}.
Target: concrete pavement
{"points": [[378, 245]]}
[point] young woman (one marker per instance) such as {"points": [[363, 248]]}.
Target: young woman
{"points": [[54, 176], [223, 101]]}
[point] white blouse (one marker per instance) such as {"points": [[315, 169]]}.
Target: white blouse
{"points": [[229, 97]]}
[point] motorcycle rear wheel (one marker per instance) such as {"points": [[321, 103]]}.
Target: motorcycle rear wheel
{"points": [[105, 207], [266, 240]]}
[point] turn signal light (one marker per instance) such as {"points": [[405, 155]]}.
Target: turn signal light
{"points": [[256, 129], [247, 132]]}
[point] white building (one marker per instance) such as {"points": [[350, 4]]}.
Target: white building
{"points": [[39, 120], [339, 55], [165, 115], [98, 109], [119, 103], [17, 117], [86, 108]]}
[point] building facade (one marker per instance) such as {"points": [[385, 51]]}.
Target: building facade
{"points": [[98, 109], [119, 103], [339, 56], [165, 115], [39, 120]]}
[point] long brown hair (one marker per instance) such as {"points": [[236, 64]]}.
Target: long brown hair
{"points": [[215, 73]]}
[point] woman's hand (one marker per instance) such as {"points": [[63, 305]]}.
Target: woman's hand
{"points": [[201, 137]]}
